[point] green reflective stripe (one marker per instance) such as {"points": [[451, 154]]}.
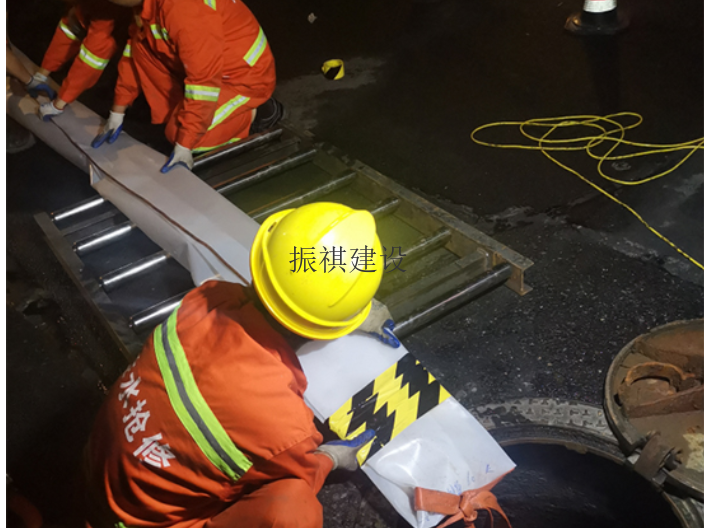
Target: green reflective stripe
{"points": [[92, 60], [217, 432], [190, 406], [67, 31], [159, 33], [226, 110], [257, 49], [206, 149], [128, 51], [210, 3], [202, 93]]}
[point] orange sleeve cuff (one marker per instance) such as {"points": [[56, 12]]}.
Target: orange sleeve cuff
{"points": [[60, 51], [326, 464]]}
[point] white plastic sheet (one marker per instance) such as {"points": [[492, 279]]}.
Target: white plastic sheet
{"points": [[445, 449]]}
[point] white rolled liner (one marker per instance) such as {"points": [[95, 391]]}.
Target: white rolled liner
{"points": [[446, 449]]}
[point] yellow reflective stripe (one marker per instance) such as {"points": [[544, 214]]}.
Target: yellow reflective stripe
{"points": [[206, 149], [159, 33], [394, 400], [92, 60], [257, 49], [155, 31], [190, 406], [202, 93], [210, 3], [128, 51], [226, 110], [67, 31]]}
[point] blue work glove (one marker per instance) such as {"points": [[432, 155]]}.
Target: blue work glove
{"points": [[180, 156], [344, 452], [38, 83], [380, 324], [109, 130], [48, 111]]}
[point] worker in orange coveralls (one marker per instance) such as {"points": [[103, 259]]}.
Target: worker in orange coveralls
{"points": [[208, 427], [86, 35], [206, 70]]}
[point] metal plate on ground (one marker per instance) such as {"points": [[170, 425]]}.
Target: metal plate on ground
{"points": [[134, 284], [654, 400]]}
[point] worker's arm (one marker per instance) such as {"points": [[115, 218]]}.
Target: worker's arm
{"points": [[64, 46], [127, 87], [93, 56], [126, 91], [197, 32], [15, 68], [299, 461], [313, 463], [34, 84]]}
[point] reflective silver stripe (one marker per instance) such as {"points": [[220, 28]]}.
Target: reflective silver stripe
{"points": [[67, 31], [159, 33], [257, 49], [206, 149], [226, 110], [202, 93], [92, 60]]}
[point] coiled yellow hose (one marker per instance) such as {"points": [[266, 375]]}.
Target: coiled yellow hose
{"points": [[608, 130]]}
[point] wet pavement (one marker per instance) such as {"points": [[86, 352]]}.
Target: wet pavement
{"points": [[420, 77]]}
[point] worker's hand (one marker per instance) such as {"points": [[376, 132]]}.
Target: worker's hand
{"points": [[48, 111], [180, 156], [344, 452], [380, 324], [38, 83], [109, 130]]}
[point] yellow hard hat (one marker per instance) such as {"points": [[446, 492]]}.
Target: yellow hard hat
{"points": [[317, 304]]}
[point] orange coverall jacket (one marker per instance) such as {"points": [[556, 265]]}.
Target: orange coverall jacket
{"points": [[214, 378], [90, 53], [203, 66]]}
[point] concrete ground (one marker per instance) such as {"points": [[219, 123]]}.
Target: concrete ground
{"points": [[420, 76]]}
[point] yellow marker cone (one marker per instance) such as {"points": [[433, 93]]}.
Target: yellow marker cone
{"points": [[334, 69]]}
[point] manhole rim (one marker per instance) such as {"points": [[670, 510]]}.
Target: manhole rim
{"points": [[539, 420]]}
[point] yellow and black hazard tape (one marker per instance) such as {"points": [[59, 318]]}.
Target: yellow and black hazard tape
{"points": [[399, 396]]}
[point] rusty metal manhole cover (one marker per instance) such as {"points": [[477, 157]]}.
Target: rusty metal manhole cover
{"points": [[654, 400]]}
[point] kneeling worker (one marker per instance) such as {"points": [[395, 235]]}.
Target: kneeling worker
{"points": [[208, 426], [206, 70], [89, 35]]}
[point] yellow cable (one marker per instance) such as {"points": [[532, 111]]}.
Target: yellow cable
{"points": [[609, 130]]}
